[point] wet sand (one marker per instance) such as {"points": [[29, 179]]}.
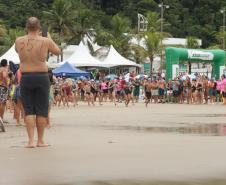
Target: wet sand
{"points": [[159, 145]]}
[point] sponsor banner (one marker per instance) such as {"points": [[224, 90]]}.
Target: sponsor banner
{"points": [[222, 70], [175, 71], [202, 70], [200, 55]]}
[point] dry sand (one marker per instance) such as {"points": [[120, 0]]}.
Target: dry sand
{"points": [[159, 145]]}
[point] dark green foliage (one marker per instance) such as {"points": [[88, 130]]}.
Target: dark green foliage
{"points": [[198, 18]]}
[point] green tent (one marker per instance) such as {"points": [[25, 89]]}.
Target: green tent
{"points": [[176, 55]]}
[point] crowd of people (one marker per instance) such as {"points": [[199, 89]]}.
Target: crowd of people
{"points": [[199, 90], [120, 89]]}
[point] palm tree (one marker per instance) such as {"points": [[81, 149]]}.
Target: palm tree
{"points": [[61, 19], [154, 25], [85, 21], [13, 34], [3, 38], [154, 22], [119, 35], [120, 25], [152, 43], [7, 38], [191, 43], [102, 36], [220, 36], [2, 29], [138, 53]]}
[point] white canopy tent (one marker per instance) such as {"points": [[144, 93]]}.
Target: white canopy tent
{"points": [[90, 39], [82, 58], [114, 59], [68, 51], [11, 55]]}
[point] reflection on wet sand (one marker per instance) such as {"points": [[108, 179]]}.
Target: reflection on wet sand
{"points": [[204, 115], [196, 129], [210, 182]]}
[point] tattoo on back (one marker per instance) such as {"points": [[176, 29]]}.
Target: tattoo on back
{"points": [[33, 45]]}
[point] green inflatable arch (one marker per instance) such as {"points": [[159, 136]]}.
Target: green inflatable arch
{"points": [[176, 55]]}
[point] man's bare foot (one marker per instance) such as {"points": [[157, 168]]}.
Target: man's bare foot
{"points": [[30, 145], [43, 145]]}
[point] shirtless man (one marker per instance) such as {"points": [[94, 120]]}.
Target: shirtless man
{"points": [[88, 94], [148, 86], [155, 91], [3, 86], [212, 91], [206, 89], [32, 50], [162, 86]]}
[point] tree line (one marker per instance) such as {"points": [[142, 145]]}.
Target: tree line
{"points": [[108, 21]]}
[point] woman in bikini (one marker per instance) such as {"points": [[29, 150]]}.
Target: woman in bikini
{"points": [[199, 91], [193, 90], [104, 91], [57, 92], [67, 93], [88, 94], [188, 90], [212, 91], [128, 92], [206, 89], [111, 91], [75, 92], [111, 86], [117, 91]]}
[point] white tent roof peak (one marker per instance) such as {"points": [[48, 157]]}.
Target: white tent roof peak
{"points": [[90, 39], [115, 59], [11, 55], [82, 58]]}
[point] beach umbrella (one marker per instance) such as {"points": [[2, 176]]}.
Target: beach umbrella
{"points": [[140, 76], [82, 78], [111, 76], [192, 77]]}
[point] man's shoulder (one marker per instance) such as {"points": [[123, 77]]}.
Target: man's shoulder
{"points": [[21, 38], [43, 38], [3, 69]]}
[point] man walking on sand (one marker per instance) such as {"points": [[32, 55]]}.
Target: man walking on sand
{"points": [[32, 50], [3, 86]]}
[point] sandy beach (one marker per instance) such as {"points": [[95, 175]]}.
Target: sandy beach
{"points": [[107, 145]]}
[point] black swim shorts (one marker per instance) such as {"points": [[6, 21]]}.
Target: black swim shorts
{"points": [[161, 92], [148, 95], [35, 93]]}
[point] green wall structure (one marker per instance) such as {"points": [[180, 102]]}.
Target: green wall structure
{"points": [[176, 55]]}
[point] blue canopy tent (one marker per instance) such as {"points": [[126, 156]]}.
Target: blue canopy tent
{"points": [[67, 70]]}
